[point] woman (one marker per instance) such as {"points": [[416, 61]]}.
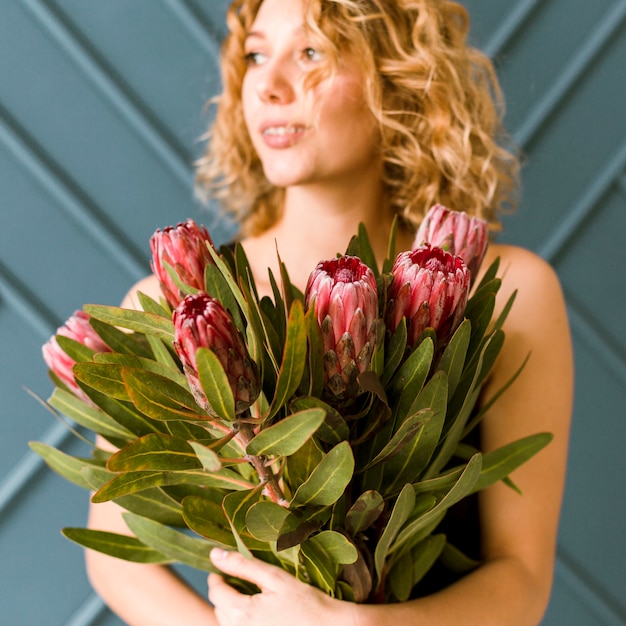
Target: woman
{"points": [[336, 112]]}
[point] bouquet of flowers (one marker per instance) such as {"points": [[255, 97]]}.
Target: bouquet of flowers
{"points": [[322, 432]]}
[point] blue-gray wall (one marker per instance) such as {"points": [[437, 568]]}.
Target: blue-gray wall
{"points": [[101, 108]]}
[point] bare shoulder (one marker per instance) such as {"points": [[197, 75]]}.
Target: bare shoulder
{"points": [[148, 286]]}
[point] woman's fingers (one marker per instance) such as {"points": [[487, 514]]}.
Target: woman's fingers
{"points": [[266, 577]]}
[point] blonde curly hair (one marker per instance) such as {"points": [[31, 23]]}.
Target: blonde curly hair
{"points": [[436, 99]]}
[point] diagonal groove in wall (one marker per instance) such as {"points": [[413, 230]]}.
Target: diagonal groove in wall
{"points": [[26, 305], [119, 95], [26, 469], [74, 202], [597, 342], [588, 589], [575, 217], [89, 612], [204, 34], [516, 19], [571, 74]]}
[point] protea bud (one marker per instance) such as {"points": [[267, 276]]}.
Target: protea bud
{"points": [[429, 288], [201, 321], [183, 247], [78, 328], [343, 292], [455, 232]]}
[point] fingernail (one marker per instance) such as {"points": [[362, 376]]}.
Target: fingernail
{"points": [[218, 554]]}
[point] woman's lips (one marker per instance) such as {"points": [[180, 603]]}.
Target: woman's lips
{"points": [[280, 135]]}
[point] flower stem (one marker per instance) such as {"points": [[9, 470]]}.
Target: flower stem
{"points": [[245, 434]]}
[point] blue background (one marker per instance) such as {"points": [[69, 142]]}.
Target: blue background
{"points": [[101, 108]]}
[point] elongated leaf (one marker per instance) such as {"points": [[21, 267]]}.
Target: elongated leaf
{"points": [[88, 416], [410, 378], [76, 350], [154, 452], [172, 543], [329, 479], [149, 305], [135, 362], [210, 460], [265, 519], [215, 384], [402, 438], [121, 342], [321, 570], [119, 546], [139, 321], [399, 582], [364, 512], [236, 504], [162, 353], [400, 513], [453, 358], [207, 518], [294, 355], [463, 487], [68, 466], [288, 435], [395, 351], [498, 464], [133, 482], [103, 377], [336, 546], [315, 355], [159, 397], [334, 429], [425, 554]]}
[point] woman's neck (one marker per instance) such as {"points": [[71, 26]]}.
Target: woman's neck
{"points": [[318, 223]]}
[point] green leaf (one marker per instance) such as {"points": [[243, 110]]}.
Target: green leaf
{"points": [[321, 570], [300, 465], [334, 429], [154, 452], [424, 555], [119, 546], [410, 378], [76, 350], [88, 416], [207, 518], [172, 543], [336, 546], [215, 384], [364, 512], [133, 482], [400, 513], [398, 583], [288, 435], [139, 321], [462, 488], [265, 519], [403, 437], [103, 377], [159, 397], [135, 362], [236, 505], [68, 466], [150, 305], [315, 357], [395, 351], [210, 460], [120, 341], [329, 479], [294, 355], [498, 464], [453, 358]]}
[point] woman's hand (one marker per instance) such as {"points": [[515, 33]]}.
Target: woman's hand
{"points": [[283, 599]]}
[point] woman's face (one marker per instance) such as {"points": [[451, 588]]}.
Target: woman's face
{"points": [[324, 134]]}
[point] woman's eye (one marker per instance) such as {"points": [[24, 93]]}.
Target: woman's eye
{"points": [[254, 58], [311, 54]]}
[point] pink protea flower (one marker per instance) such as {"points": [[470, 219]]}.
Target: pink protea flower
{"points": [[78, 328], [184, 247], [343, 292], [201, 321], [429, 288], [455, 232]]}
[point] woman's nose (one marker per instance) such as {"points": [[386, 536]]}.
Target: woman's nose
{"points": [[276, 83]]}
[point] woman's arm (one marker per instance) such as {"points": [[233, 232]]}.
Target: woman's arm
{"points": [[512, 587], [142, 595]]}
